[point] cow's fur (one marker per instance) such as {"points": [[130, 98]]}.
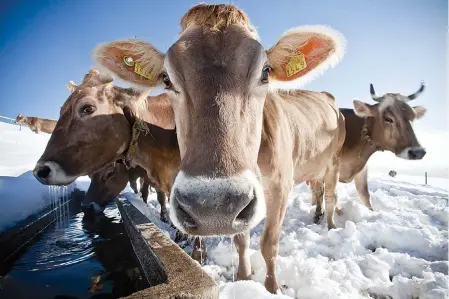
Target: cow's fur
{"points": [[107, 183], [37, 124], [234, 135], [385, 126]]}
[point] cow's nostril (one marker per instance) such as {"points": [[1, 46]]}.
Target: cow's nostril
{"points": [[416, 154], [44, 172], [187, 219], [411, 154], [248, 211]]}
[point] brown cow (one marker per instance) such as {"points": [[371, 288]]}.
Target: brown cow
{"points": [[242, 145], [385, 126], [108, 183], [37, 124], [96, 109], [99, 109]]}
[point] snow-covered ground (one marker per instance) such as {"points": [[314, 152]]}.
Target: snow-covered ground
{"points": [[21, 195], [399, 250]]}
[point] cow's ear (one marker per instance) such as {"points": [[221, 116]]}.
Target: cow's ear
{"points": [[362, 109], [134, 61], [71, 86], [302, 54], [419, 111], [161, 111]]}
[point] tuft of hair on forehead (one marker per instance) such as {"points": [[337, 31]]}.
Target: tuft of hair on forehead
{"points": [[217, 17], [95, 78], [393, 100]]}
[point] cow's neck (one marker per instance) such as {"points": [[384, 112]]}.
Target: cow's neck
{"points": [[154, 149], [366, 147]]}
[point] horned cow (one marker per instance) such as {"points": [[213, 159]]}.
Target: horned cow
{"points": [[384, 126]]}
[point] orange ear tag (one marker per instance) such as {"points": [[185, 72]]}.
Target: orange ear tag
{"points": [[308, 56]]}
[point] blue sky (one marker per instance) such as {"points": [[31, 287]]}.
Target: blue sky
{"points": [[392, 44]]}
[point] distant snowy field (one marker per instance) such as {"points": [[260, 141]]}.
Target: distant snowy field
{"points": [[398, 251]]}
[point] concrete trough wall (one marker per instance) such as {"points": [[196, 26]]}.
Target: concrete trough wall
{"points": [[171, 273]]}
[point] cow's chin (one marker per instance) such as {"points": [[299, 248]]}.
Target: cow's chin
{"points": [[59, 181]]}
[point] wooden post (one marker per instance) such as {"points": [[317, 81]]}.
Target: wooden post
{"points": [[425, 174]]}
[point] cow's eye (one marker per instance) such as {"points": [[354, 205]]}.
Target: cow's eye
{"points": [[388, 120], [166, 80], [265, 74], [87, 109]]}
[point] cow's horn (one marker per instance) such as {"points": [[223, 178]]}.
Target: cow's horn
{"points": [[373, 94], [416, 94]]}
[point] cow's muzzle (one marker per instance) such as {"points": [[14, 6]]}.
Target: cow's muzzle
{"points": [[51, 173], [412, 153], [219, 206]]}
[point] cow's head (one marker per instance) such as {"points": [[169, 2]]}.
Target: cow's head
{"points": [[93, 131], [392, 119], [217, 75], [105, 185], [20, 118]]}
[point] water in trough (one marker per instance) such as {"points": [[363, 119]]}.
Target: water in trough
{"points": [[75, 257]]}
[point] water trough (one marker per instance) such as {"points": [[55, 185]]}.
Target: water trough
{"points": [[177, 275], [166, 271]]}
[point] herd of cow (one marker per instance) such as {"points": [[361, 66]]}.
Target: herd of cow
{"points": [[230, 136]]}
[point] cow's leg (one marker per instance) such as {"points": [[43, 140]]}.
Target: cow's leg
{"points": [[330, 181], [242, 244], [199, 253], [144, 190], [317, 188], [361, 185], [133, 184], [276, 202], [162, 202]]}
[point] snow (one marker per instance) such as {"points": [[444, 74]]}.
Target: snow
{"points": [[19, 149], [21, 195], [399, 250]]}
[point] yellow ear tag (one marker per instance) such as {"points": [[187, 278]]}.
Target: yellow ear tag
{"points": [[296, 64], [129, 61], [138, 70]]}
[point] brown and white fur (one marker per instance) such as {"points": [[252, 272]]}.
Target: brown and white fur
{"points": [[385, 126], [243, 145]]}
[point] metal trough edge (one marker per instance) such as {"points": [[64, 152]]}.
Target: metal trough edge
{"points": [[171, 273]]}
